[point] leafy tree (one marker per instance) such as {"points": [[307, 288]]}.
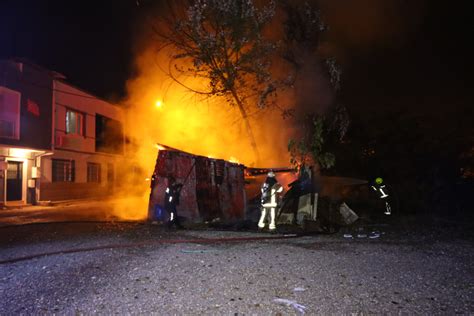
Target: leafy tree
{"points": [[315, 145], [303, 32], [303, 35], [221, 41], [310, 149]]}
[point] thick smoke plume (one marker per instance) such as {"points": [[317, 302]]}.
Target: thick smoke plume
{"points": [[163, 111]]}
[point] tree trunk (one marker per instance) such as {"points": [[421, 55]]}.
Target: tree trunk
{"points": [[245, 117]]}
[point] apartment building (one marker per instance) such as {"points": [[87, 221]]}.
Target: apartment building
{"points": [[57, 141]]}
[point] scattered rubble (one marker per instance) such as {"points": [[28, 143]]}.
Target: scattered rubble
{"points": [[300, 308]]}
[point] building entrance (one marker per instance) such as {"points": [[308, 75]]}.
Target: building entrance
{"points": [[14, 180]]}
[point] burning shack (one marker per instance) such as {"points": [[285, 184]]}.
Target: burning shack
{"points": [[212, 188]]}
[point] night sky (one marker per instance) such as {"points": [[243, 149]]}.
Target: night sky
{"points": [[424, 53], [430, 67], [88, 41], [407, 77]]}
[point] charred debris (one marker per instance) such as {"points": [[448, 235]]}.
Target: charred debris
{"points": [[227, 194]]}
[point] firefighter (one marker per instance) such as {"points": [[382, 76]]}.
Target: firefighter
{"points": [[380, 188], [270, 189], [172, 193]]}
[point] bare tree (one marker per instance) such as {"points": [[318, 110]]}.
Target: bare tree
{"points": [[221, 41]]}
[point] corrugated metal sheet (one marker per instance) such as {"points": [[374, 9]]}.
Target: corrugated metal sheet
{"points": [[213, 188]]}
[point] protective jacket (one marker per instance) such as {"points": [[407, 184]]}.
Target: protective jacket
{"points": [[172, 195], [271, 200], [380, 189], [171, 200], [270, 189], [267, 189]]}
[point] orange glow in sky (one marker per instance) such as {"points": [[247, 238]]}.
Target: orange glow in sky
{"points": [[192, 123]]}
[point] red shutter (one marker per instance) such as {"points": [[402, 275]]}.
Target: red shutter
{"points": [[32, 107]]}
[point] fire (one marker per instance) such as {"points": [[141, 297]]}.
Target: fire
{"points": [[202, 126], [190, 122]]}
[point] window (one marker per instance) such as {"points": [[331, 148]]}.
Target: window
{"points": [[108, 135], [9, 113], [63, 170], [93, 172], [74, 123]]}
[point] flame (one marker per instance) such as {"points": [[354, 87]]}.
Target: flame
{"points": [[195, 124], [202, 126]]}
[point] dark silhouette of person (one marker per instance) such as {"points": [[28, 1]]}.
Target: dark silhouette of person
{"points": [[172, 194]]}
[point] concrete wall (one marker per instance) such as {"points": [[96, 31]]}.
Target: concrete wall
{"points": [[75, 99], [79, 148], [35, 86]]}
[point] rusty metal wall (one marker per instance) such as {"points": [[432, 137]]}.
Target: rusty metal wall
{"points": [[179, 165], [213, 189], [206, 190], [235, 180]]}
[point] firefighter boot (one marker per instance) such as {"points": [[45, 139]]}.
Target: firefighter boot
{"points": [[272, 225], [261, 222]]}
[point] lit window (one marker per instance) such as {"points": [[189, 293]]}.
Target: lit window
{"points": [[74, 123], [93, 172], [63, 170], [9, 113]]}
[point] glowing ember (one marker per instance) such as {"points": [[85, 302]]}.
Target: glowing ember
{"points": [[159, 103]]}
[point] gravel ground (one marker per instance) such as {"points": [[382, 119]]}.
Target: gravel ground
{"points": [[427, 272]]}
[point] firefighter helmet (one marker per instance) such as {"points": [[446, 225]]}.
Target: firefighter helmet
{"points": [[378, 180]]}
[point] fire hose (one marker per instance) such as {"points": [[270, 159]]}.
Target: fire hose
{"points": [[149, 243]]}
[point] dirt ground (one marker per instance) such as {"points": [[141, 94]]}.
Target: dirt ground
{"points": [[137, 268]]}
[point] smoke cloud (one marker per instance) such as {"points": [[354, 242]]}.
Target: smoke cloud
{"points": [[358, 26], [163, 111]]}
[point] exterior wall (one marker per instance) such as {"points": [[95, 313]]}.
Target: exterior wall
{"points": [[79, 148], [85, 103], [179, 165], [212, 188], [80, 188], [33, 84], [44, 100]]}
